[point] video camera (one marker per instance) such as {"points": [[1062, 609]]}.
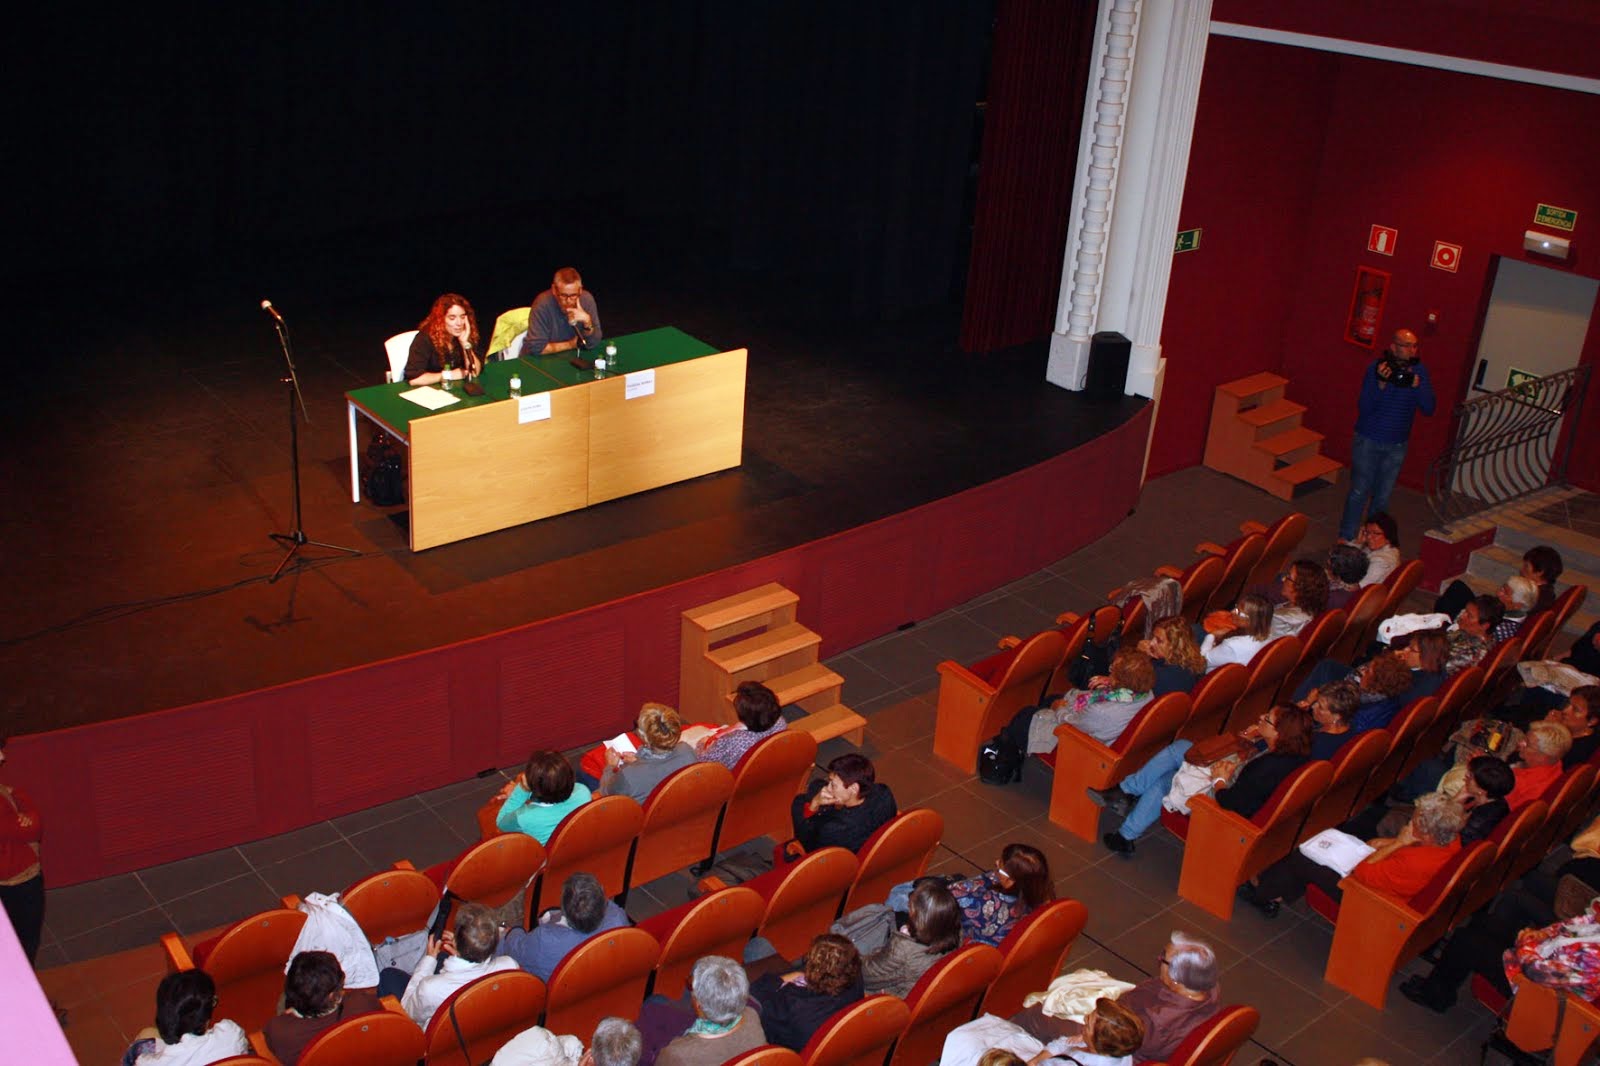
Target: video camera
{"points": [[1401, 374]]}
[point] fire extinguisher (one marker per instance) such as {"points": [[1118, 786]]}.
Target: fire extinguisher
{"points": [[1364, 329]]}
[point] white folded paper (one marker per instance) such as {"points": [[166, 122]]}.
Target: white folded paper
{"points": [[429, 397], [622, 744], [1336, 850]]}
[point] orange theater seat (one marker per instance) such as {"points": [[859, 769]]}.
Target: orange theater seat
{"points": [[858, 1035], [247, 962], [494, 871], [596, 838], [944, 997], [1211, 700], [1215, 1041], [764, 782], [767, 1055], [1404, 729], [803, 898], [896, 853], [1361, 615], [383, 1038], [1267, 671], [1239, 559], [975, 704], [721, 923], [1196, 584], [1032, 954], [1352, 767], [604, 975], [392, 903], [483, 1015], [1283, 537], [680, 820], [1315, 641], [1081, 762]]}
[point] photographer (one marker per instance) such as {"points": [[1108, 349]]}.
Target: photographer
{"points": [[1395, 387]]}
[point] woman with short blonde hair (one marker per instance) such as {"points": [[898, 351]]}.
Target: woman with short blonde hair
{"points": [[663, 754]]}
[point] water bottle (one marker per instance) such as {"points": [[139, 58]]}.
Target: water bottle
{"points": [[611, 355], [516, 385]]}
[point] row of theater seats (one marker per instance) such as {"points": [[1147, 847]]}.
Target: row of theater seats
{"points": [[1374, 934]]}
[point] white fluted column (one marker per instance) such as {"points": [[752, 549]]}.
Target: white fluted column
{"points": [[1132, 160]]}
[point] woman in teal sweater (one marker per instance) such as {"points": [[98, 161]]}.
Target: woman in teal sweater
{"points": [[544, 793]]}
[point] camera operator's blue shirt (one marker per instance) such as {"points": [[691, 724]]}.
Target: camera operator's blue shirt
{"points": [[1386, 410]]}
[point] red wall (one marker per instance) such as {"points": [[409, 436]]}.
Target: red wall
{"points": [[1441, 156]]}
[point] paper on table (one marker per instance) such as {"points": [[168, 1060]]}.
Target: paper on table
{"points": [[429, 397], [1336, 850], [637, 384], [622, 744], [535, 408]]}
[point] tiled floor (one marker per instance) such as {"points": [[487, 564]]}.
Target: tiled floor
{"points": [[100, 961]]}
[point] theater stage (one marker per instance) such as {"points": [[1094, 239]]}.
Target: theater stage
{"points": [[886, 476]]}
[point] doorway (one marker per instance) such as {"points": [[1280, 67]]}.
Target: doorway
{"points": [[1535, 325]]}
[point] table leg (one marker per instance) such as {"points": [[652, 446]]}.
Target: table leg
{"points": [[355, 464]]}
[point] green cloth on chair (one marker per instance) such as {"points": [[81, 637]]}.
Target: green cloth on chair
{"points": [[507, 327]]}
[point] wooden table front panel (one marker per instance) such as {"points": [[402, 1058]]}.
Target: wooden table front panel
{"points": [[692, 425], [479, 470]]}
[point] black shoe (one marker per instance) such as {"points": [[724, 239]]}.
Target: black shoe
{"points": [[1118, 843], [1248, 893], [1112, 799], [1419, 991]]}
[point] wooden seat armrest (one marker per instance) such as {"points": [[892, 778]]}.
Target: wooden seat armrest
{"points": [[1169, 571], [1252, 526], [404, 864], [708, 885], [1207, 547], [392, 1005], [290, 902], [1083, 759], [1379, 909], [258, 1044], [1215, 850], [1068, 618], [178, 957], [1008, 641], [1220, 822], [958, 674]]}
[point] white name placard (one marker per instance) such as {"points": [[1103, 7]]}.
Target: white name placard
{"points": [[535, 408], [639, 383]]}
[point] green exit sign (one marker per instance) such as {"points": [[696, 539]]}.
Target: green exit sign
{"points": [[1555, 217], [1521, 380], [1188, 240]]}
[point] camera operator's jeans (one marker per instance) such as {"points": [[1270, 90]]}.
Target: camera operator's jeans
{"points": [[1374, 468]]}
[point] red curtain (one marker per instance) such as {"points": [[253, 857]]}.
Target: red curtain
{"points": [[1038, 74]]}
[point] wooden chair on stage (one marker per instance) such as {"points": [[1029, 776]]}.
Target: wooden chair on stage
{"points": [[1081, 762], [596, 838], [1215, 1041], [803, 898], [1352, 766], [1196, 584], [1316, 640], [975, 704], [858, 1035], [946, 996], [764, 783], [1361, 614], [482, 1016], [1222, 850], [1267, 671], [1211, 701], [602, 976], [247, 962], [898, 852], [382, 1038], [1374, 933], [680, 823], [508, 327], [1032, 953], [397, 351], [717, 924]]}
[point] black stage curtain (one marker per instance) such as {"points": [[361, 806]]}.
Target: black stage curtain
{"points": [[826, 143], [1034, 115]]}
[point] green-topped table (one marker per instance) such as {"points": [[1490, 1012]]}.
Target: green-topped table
{"points": [[674, 411]]}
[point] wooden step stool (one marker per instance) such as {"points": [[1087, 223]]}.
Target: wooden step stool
{"points": [[816, 689]]}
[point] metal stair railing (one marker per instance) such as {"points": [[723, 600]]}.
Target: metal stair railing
{"points": [[1508, 445]]}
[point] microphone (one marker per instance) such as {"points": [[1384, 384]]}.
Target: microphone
{"points": [[266, 305]]}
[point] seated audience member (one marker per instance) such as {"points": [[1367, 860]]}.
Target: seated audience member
{"points": [[1383, 684], [1109, 1036], [794, 1005], [1517, 596], [1426, 653], [584, 912], [184, 1035], [1286, 732], [993, 902], [1347, 565], [1539, 756], [1581, 716], [1183, 993], [1174, 655], [1400, 866], [932, 931], [1468, 638], [845, 808], [1380, 536], [314, 999], [616, 1043], [1333, 708], [1542, 565], [1584, 654], [544, 793], [724, 1026], [1484, 788], [1102, 711], [1502, 740], [1235, 636], [1305, 595], [663, 753], [467, 954], [759, 718], [447, 338]]}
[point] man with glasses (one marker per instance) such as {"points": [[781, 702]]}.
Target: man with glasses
{"points": [[563, 317], [1395, 388]]}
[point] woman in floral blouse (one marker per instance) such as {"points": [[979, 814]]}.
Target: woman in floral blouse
{"points": [[994, 902]]}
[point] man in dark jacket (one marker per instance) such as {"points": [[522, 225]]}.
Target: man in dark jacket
{"points": [[844, 810], [1395, 388]]}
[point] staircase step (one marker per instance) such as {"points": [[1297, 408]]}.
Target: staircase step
{"points": [[813, 679], [835, 721], [1308, 470], [1269, 413], [1255, 384], [1289, 441], [750, 652], [730, 610]]}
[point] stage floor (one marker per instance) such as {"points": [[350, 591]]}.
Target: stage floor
{"points": [[146, 473]]}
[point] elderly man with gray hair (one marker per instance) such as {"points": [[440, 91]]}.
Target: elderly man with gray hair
{"points": [[616, 1043], [725, 1025], [1183, 993]]}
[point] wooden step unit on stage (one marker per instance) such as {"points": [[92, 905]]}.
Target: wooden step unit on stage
{"points": [[753, 636], [1256, 436]]}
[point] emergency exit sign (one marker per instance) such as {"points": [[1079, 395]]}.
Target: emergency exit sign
{"points": [[1555, 217], [1188, 240]]}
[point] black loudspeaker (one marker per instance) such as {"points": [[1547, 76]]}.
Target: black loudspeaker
{"points": [[1108, 367]]}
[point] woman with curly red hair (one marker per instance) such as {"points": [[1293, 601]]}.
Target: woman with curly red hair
{"points": [[448, 337]]}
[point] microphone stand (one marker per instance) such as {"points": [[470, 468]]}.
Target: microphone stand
{"points": [[296, 538]]}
